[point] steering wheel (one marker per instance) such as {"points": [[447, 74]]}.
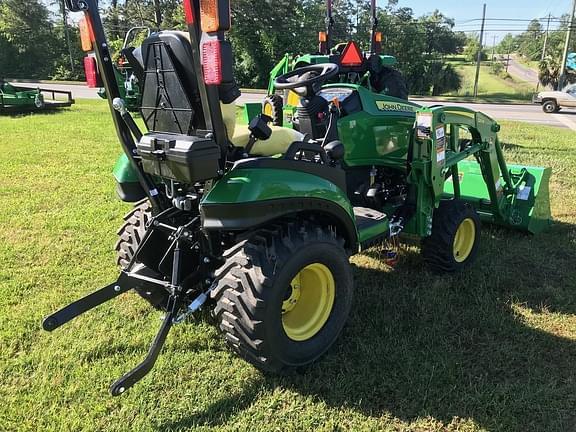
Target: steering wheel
{"points": [[305, 81]]}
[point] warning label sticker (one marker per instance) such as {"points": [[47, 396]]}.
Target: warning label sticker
{"points": [[424, 125], [440, 144], [524, 193]]}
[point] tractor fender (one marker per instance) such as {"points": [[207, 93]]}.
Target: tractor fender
{"points": [[248, 198], [128, 186]]}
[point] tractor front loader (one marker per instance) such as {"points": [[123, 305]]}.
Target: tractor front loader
{"points": [[257, 222]]}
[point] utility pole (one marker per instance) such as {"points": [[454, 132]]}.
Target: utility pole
{"points": [[479, 60], [566, 47], [544, 47], [67, 35], [546, 38], [157, 14], [493, 49]]}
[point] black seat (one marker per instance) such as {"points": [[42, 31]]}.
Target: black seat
{"points": [[170, 98]]}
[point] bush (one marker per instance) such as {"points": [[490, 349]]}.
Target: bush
{"points": [[63, 73]]}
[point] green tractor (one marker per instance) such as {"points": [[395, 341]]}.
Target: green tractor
{"points": [[257, 222], [371, 69], [21, 99], [127, 76]]}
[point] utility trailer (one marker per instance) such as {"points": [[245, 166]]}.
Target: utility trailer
{"points": [[24, 99]]}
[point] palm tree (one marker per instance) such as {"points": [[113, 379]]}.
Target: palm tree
{"points": [[549, 72]]}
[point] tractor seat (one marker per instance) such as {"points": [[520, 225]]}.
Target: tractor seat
{"points": [[239, 135]]}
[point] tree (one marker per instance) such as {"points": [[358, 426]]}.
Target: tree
{"points": [[549, 72], [27, 39], [472, 49]]}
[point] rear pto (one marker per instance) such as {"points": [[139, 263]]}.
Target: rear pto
{"points": [[258, 222]]}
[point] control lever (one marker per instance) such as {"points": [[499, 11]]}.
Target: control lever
{"points": [[259, 131]]}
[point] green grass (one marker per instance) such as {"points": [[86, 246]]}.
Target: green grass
{"points": [[491, 87], [491, 349]]}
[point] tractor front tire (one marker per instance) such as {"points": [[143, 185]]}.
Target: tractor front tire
{"points": [[284, 295], [273, 107], [130, 236], [455, 237]]}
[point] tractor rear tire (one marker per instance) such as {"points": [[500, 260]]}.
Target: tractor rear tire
{"points": [[130, 235], [455, 237], [284, 295], [273, 106]]}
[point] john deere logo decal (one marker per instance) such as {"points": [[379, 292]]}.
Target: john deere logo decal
{"points": [[391, 106]]}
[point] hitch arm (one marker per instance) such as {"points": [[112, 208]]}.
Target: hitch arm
{"points": [[87, 303], [140, 371]]}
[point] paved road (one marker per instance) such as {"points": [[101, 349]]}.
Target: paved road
{"points": [[525, 113], [522, 72]]}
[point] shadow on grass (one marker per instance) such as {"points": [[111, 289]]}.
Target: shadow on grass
{"points": [[471, 346], [510, 146], [25, 113]]}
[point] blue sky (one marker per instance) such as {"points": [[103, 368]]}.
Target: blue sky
{"points": [[465, 10]]}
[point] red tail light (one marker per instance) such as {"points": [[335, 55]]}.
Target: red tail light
{"points": [[212, 62], [91, 71], [188, 12]]}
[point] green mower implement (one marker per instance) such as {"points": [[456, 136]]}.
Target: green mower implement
{"points": [[24, 99], [256, 223]]}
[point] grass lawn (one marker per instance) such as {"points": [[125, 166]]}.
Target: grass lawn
{"points": [[491, 349], [491, 87]]}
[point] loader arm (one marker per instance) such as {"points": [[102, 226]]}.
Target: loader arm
{"points": [[475, 170]]}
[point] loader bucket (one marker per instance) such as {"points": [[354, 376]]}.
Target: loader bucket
{"points": [[528, 209]]}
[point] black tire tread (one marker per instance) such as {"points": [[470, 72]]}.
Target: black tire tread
{"points": [[131, 232], [437, 249], [130, 235], [277, 104], [241, 284]]}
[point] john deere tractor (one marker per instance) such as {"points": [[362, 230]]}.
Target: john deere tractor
{"points": [[371, 69], [128, 73], [257, 223]]}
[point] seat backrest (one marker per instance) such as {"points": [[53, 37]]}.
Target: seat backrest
{"points": [[170, 97]]}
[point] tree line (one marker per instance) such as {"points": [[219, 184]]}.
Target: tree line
{"points": [[34, 36]]}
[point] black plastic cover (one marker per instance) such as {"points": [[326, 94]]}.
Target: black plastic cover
{"points": [[182, 158], [170, 101]]}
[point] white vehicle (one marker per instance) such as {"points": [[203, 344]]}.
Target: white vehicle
{"points": [[553, 101]]}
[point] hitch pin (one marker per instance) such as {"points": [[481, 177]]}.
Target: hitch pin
{"points": [[193, 307]]}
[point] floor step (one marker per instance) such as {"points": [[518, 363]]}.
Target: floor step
{"points": [[367, 217]]}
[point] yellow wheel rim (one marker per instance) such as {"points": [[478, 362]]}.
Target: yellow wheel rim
{"points": [[464, 240], [309, 302], [268, 109]]}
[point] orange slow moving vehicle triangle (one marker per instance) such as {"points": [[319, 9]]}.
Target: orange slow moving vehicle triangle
{"points": [[352, 56]]}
